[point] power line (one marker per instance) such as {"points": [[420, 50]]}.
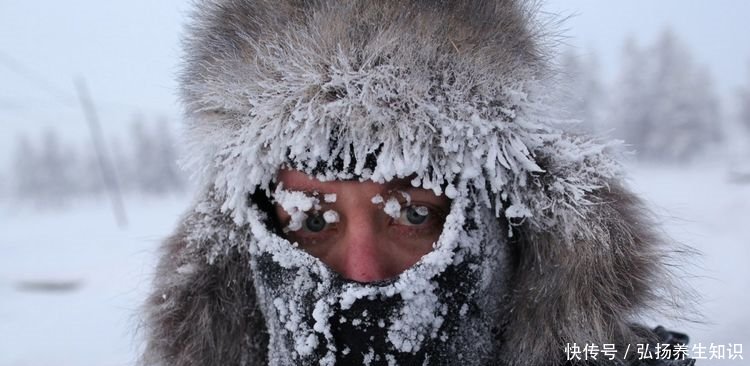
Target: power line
{"points": [[59, 94], [41, 82], [105, 166]]}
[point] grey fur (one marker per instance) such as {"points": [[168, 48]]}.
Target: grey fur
{"points": [[203, 313], [590, 292], [588, 289]]}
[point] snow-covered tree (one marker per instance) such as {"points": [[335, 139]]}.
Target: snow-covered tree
{"points": [[630, 113], [47, 175], [584, 97], [122, 161], [154, 165], [142, 171], [744, 105], [26, 175], [4, 187], [172, 176], [57, 168], [665, 106], [91, 182]]}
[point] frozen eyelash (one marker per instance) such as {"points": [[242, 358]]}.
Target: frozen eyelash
{"points": [[406, 196], [393, 208], [296, 204], [422, 210], [331, 216]]}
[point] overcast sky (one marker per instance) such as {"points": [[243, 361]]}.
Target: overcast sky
{"points": [[128, 51], [717, 32]]}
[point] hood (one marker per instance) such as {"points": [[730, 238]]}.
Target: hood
{"points": [[452, 93], [440, 311]]}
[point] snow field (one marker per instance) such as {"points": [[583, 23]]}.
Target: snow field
{"points": [[96, 323]]}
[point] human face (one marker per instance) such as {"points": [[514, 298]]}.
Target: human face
{"points": [[380, 230]]}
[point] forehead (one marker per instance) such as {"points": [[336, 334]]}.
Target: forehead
{"points": [[299, 181]]}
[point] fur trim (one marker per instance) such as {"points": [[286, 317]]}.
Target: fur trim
{"points": [[443, 90], [440, 89], [203, 308], [589, 292]]}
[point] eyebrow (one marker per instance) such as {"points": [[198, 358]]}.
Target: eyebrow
{"points": [[400, 183], [308, 187], [311, 188]]}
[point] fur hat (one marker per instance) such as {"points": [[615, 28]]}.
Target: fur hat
{"points": [[441, 90]]}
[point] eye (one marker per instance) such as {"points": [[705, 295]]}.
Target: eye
{"points": [[414, 215], [314, 223]]}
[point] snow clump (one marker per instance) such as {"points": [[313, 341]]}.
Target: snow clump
{"points": [[393, 208], [331, 216], [296, 204]]}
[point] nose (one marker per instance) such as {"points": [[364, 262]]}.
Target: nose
{"points": [[364, 257]]}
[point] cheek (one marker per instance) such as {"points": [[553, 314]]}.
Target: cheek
{"points": [[318, 245], [410, 245]]}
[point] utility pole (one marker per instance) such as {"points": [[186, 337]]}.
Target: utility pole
{"points": [[108, 173]]}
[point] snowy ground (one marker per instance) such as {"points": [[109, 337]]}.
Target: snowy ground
{"points": [[94, 324], [701, 207], [104, 271]]}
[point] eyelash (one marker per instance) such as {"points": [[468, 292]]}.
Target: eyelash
{"points": [[433, 215]]}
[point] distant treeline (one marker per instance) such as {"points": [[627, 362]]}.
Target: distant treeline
{"points": [[49, 172], [662, 103]]}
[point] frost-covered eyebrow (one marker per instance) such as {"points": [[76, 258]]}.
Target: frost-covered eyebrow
{"points": [[311, 187], [402, 183], [306, 186]]}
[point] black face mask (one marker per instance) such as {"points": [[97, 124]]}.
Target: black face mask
{"points": [[444, 310]]}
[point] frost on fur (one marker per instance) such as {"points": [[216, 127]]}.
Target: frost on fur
{"points": [[453, 97], [407, 100], [312, 291], [527, 164]]}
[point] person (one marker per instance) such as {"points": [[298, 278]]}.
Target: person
{"points": [[387, 183]]}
